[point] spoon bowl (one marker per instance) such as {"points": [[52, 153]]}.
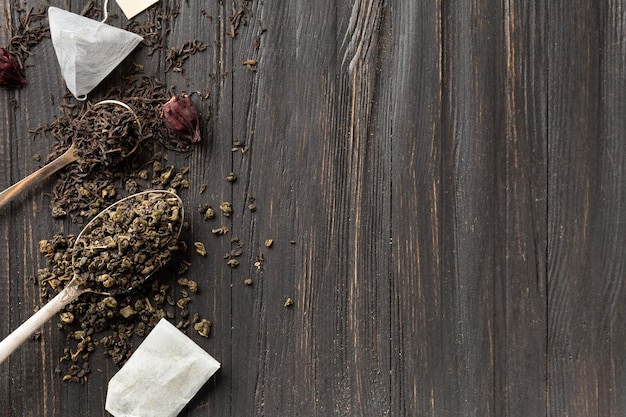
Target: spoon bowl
{"points": [[116, 251], [72, 154]]}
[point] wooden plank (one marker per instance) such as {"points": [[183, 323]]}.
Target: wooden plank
{"points": [[521, 285], [423, 368], [469, 205], [320, 180], [467, 157], [586, 220]]}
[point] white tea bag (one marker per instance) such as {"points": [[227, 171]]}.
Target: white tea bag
{"points": [[161, 377], [87, 50]]}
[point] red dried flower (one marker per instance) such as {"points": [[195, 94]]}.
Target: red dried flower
{"points": [[11, 73], [181, 117]]}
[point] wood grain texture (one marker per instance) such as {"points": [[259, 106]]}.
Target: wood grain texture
{"points": [[443, 183], [586, 196]]}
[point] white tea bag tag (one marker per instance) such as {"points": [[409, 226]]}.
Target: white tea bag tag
{"points": [[162, 375], [132, 8]]}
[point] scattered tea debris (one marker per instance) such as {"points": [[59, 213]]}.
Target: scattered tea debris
{"points": [[231, 177], [209, 213], [106, 323], [176, 57], [288, 302], [203, 327], [111, 324], [156, 21], [226, 208], [30, 28], [239, 145], [269, 243], [251, 204], [250, 64], [190, 284], [200, 249], [66, 317], [259, 261], [82, 190], [220, 230], [240, 15], [248, 281]]}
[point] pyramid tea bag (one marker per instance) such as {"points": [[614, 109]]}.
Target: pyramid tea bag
{"points": [[87, 50], [161, 376]]}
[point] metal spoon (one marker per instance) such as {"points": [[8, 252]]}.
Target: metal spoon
{"points": [[69, 156], [172, 222]]}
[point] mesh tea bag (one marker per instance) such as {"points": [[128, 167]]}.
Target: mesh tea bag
{"points": [[87, 50]]}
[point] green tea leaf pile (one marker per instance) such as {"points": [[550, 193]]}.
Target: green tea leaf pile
{"points": [[121, 248]]}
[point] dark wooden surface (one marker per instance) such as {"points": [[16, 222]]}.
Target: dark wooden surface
{"points": [[445, 185]]}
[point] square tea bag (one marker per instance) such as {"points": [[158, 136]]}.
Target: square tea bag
{"points": [[161, 377]]}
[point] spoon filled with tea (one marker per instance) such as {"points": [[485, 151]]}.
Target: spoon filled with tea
{"points": [[117, 251], [106, 134]]}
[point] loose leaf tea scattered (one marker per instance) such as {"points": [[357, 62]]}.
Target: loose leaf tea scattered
{"points": [[29, 27], [112, 324], [108, 137], [116, 252], [81, 192], [119, 249]]}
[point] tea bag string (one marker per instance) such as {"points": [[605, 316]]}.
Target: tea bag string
{"points": [[106, 16], [106, 11]]}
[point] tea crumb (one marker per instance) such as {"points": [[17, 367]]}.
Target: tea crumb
{"points": [[207, 211], [66, 317], [231, 177], [251, 64], [248, 281], [200, 249], [288, 302], [220, 230], [203, 327], [226, 208]]}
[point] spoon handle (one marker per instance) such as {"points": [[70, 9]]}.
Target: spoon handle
{"points": [[38, 176], [30, 326]]}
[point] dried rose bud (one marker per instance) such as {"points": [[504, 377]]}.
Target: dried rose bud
{"points": [[11, 73], [181, 117]]}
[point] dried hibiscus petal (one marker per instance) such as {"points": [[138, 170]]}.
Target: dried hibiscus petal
{"points": [[11, 73], [181, 117]]}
